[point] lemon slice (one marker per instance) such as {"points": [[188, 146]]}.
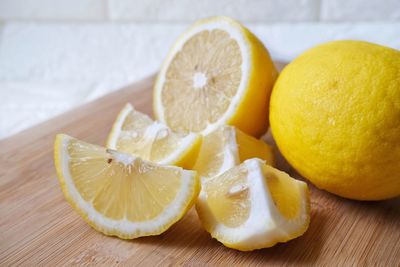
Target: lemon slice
{"points": [[136, 133], [217, 73], [227, 147], [253, 206], [120, 194]]}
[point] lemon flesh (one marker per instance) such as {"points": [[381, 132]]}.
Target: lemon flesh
{"points": [[227, 147], [136, 133], [208, 80], [217, 73], [253, 206], [119, 194], [335, 116]]}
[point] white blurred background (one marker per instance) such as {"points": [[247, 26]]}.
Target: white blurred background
{"points": [[57, 54]]}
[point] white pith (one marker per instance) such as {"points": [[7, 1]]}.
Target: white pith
{"points": [[199, 80], [265, 223], [128, 228], [231, 150], [237, 34]]}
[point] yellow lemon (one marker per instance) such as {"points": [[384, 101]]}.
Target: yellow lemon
{"points": [[136, 133], [120, 194], [335, 115], [217, 73], [253, 206]]}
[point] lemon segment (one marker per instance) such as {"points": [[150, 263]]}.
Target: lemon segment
{"points": [[227, 147], [217, 73], [136, 133], [120, 194], [284, 192], [250, 147], [253, 206], [228, 197]]}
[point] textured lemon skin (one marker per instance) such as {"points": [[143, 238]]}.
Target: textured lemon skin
{"points": [[335, 116], [251, 114], [58, 165]]}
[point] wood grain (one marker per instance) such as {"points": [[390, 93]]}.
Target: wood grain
{"points": [[38, 227]]}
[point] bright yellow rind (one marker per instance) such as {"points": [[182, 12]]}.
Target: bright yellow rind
{"points": [[57, 162], [252, 114], [335, 116]]}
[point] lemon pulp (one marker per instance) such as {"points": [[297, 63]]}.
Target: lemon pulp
{"points": [[207, 71]]}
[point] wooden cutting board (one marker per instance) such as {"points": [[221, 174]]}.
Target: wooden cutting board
{"points": [[38, 227]]}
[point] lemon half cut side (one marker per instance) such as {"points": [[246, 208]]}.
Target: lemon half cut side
{"points": [[217, 73]]}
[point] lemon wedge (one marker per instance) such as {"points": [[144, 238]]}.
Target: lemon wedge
{"points": [[253, 206], [217, 73], [120, 194], [227, 147], [136, 133]]}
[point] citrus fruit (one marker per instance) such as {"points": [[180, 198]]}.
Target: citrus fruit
{"points": [[227, 147], [335, 116], [217, 73], [253, 206], [120, 194], [136, 133]]}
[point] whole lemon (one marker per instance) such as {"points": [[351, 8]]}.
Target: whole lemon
{"points": [[335, 116]]}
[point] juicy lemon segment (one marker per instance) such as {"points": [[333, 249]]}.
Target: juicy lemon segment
{"points": [[284, 192], [120, 194], [227, 147], [136, 133], [218, 152], [250, 147], [228, 197], [217, 73], [253, 206]]}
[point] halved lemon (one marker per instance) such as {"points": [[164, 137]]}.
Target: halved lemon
{"points": [[227, 147], [120, 194], [217, 73], [253, 206], [136, 133]]}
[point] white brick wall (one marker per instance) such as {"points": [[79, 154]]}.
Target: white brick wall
{"points": [[56, 54], [189, 10], [53, 9], [360, 10], [184, 10]]}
